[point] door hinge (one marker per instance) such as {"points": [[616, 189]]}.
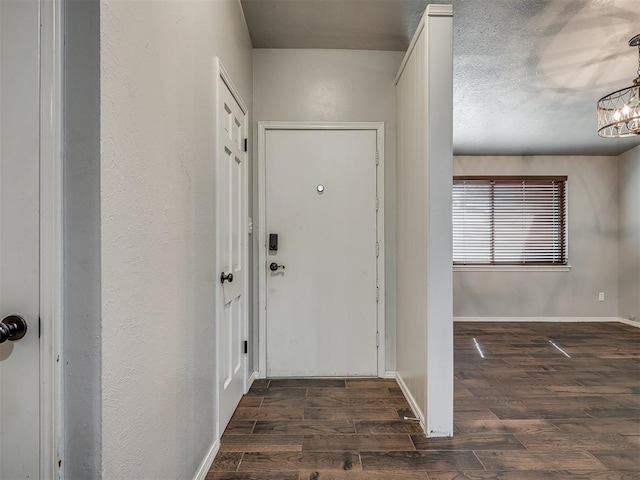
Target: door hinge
{"points": [[377, 204], [377, 294], [246, 144], [377, 339], [39, 327], [377, 249], [245, 347], [377, 158], [250, 226]]}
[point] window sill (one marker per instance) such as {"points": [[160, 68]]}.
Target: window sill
{"points": [[511, 268]]}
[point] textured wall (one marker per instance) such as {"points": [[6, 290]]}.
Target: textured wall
{"points": [[629, 280], [158, 227], [337, 86], [593, 246]]}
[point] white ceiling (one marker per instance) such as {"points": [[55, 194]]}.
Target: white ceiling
{"points": [[527, 73]]}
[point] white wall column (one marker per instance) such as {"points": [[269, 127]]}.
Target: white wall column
{"points": [[424, 156]]}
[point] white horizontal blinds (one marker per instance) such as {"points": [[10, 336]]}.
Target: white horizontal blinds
{"points": [[472, 222], [528, 223], [509, 220]]}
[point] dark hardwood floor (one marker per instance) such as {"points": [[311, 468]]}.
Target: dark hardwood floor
{"points": [[547, 401]]}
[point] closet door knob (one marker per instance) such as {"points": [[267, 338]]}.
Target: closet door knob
{"points": [[12, 328]]}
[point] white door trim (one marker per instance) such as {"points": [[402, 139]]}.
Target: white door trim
{"points": [[263, 127], [51, 233]]}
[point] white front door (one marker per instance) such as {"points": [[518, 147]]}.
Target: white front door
{"points": [[321, 280], [231, 198], [19, 238]]}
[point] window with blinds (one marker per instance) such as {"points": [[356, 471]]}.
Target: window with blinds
{"points": [[509, 221]]}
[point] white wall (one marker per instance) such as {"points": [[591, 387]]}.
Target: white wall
{"points": [[592, 249], [424, 290], [337, 86], [412, 229], [158, 225], [629, 279]]}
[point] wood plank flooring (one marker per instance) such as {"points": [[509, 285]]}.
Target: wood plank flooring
{"points": [[548, 401]]}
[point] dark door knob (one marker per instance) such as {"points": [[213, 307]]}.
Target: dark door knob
{"points": [[274, 267], [12, 328], [228, 277]]}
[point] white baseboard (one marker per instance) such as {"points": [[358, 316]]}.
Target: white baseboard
{"points": [[252, 378], [542, 319], [626, 321], [207, 461], [412, 402], [391, 374]]}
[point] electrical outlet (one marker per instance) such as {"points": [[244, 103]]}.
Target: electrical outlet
{"points": [[601, 297]]}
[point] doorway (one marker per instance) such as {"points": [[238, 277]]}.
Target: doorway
{"points": [[321, 252], [30, 242], [19, 240], [231, 246]]}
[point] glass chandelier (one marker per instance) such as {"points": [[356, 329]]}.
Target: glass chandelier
{"points": [[619, 112]]}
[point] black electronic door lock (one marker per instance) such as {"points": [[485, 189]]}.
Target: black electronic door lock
{"points": [[273, 242]]}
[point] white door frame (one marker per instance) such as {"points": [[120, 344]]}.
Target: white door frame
{"points": [[263, 127], [221, 74], [51, 234]]}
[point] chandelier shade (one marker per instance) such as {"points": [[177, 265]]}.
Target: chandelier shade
{"points": [[619, 112]]}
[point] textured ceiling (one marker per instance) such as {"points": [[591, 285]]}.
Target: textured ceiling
{"points": [[527, 73]]}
